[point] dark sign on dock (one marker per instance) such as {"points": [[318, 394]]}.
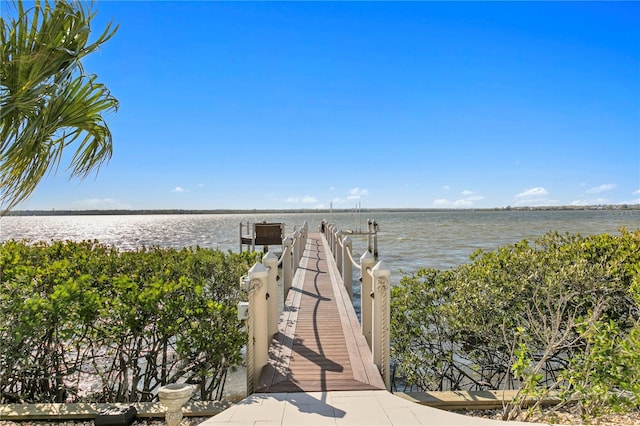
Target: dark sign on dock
{"points": [[269, 233]]}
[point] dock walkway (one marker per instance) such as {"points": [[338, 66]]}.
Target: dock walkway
{"points": [[320, 369], [319, 346]]}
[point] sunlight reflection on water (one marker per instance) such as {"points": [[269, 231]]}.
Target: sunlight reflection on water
{"points": [[406, 241]]}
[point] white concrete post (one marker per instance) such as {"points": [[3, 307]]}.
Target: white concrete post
{"points": [[339, 251], [296, 250], [306, 233], [332, 235], [347, 267], [258, 345], [381, 318], [301, 245], [305, 237], [270, 261], [375, 239], [366, 302], [287, 266]]}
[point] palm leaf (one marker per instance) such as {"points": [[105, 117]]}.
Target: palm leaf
{"points": [[47, 101]]}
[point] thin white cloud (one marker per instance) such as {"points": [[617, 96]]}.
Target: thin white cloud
{"points": [[462, 203], [357, 193], [602, 188], [636, 201], [590, 202], [467, 201], [307, 199], [538, 191], [536, 196], [446, 187], [100, 204], [179, 189], [636, 192]]}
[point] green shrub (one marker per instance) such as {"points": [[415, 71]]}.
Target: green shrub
{"points": [[126, 322], [527, 316]]}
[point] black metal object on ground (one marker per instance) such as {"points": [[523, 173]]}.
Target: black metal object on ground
{"points": [[116, 416]]}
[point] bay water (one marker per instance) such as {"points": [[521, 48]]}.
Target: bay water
{"points": [[407, 240]]}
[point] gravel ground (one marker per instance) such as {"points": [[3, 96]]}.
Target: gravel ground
{"points": [[186, 421], [563, 418], [568, 417]]}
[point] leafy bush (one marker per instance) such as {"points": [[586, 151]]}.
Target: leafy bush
{"points": [[527, 316], [80, 313]]}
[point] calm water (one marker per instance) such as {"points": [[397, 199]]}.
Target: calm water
{"points": [[406, 240]]}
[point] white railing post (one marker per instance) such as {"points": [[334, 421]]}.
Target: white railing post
{"points": [[301, 245], [347, 267], [366, 302], [270, 261], [375, 239], [296, 249], [381, 318], [305, 237], [258, 344], [339, 251], [333, 239], [287, 266]]}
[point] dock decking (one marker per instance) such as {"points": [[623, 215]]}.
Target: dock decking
{"points": [[319, 346]]}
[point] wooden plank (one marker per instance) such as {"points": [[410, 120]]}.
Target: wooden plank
{"points": [[313, 352], [470, 400], [361, 357]]}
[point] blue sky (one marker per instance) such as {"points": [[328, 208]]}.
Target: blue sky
{"points": [[240, 105]]}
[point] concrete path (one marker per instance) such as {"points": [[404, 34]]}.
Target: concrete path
{"points": [[373, 407]]}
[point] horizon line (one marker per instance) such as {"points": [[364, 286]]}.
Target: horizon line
{"points": [[61, 212]]}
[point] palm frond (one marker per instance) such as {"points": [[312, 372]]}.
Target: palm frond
{"points": [[47, 101]]}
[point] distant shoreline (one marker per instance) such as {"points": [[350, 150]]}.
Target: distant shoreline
{"points": [[285, 211]]}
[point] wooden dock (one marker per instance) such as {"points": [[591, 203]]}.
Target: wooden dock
{"points": [[319, 346]]}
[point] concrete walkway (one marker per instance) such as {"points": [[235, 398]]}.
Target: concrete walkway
{"points": [[373, 407]]}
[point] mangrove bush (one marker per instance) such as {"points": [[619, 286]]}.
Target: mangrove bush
{"points": [[561, 313], [84, 321]]}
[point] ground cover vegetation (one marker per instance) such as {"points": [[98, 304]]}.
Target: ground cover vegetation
{"points": [[81, 321], [560, 315]]}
